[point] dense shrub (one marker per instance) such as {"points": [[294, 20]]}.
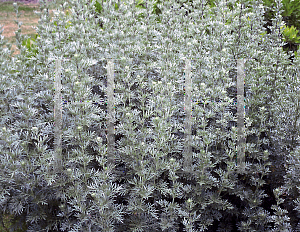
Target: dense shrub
{"points": [[147, 187]]}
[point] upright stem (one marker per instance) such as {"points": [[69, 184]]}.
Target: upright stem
{"points": [[240, 114], [111, 113], [57, 115], [188, 109]]}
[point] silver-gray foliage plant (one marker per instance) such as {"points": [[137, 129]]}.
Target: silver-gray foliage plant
{"points": [[149, 189]]}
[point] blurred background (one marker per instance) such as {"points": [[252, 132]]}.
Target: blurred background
{"points": [[28, 19]]}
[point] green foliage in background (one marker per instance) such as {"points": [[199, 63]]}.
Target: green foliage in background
{"points": [[290, 34], [98, 6], [291, 15], [30, 44], [291, 7]]}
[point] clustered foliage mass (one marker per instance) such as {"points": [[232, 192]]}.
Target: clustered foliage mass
{"points": [[147, 187]]}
